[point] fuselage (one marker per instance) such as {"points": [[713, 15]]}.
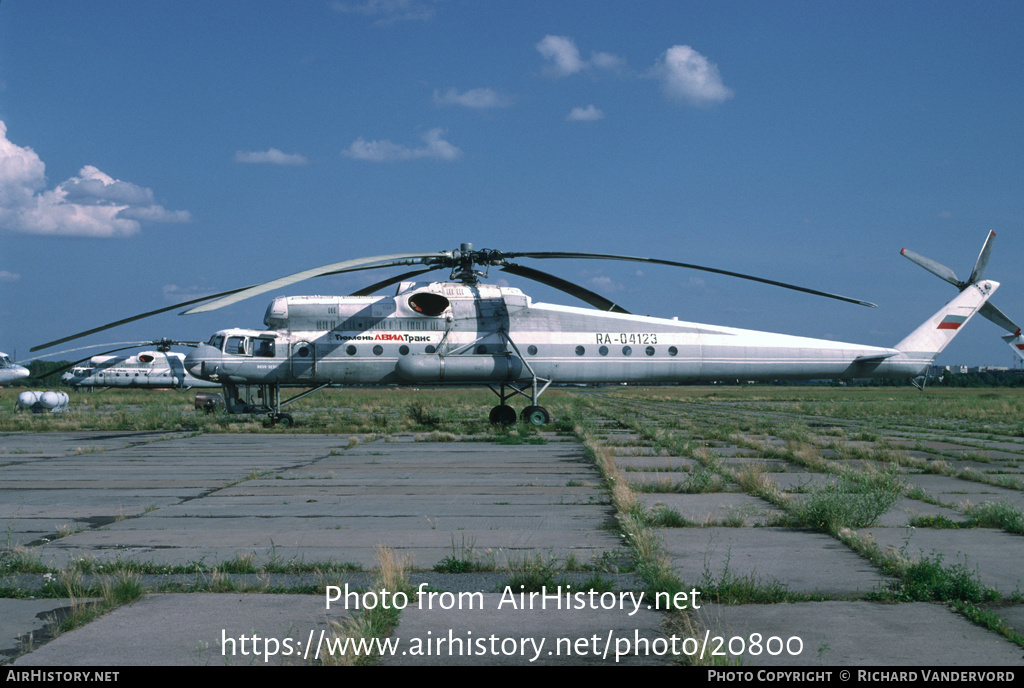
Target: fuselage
{"points": [[443, 332], [147, 370], [11, 371]]}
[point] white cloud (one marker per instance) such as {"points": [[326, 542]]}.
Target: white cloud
{"points": [[271, 156], [604, 284], [93, 204], [173, 293], [479, 98], [688, 76], [8, 276], [565, 57], [388, 151], [387, 11], [562, 52], [587, 114]]}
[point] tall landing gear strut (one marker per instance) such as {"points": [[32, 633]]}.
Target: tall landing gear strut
{"points": [[534, 414]]}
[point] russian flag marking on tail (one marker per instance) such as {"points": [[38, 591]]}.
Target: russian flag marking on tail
{"points": [[952, 322]]}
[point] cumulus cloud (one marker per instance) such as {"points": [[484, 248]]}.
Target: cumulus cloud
{"points": [[565, 57], [271, 156], [587, 114], [479, 98], [687, 76], [387, 151], [92, 204]]}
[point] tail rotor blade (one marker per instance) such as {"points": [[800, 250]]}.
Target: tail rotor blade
{"points": [[979, 266], [935, 268]]}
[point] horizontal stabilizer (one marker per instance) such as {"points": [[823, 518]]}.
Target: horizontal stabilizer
{"points": [[876, 357]]}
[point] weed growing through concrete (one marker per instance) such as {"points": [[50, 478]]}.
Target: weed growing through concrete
{"points": [[996, 515], [855, 500], [378, 622]]}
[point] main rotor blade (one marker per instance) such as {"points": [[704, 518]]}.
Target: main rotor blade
{"points": [[366, 291], [332, 269], [596, 300], [933, 267], [133, 319], [657, 261], [979, 265], [78, 348]]}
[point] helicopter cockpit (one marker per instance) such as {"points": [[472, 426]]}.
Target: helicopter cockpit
{"points": [[237, 344]]}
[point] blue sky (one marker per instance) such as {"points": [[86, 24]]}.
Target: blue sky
{"points": [[152, 151]]}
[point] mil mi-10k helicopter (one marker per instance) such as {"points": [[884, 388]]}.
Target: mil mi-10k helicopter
{"points": [[462, 331]]}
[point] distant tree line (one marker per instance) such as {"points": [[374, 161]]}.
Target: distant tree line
{"points": [[41, 375]]}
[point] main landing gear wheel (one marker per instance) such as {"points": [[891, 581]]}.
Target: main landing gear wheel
{"points": [[503, 415], [535, 415], [283, 419]]}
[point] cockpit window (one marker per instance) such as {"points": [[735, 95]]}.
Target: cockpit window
{"points": [[265, 348], [216, 341], [239, 346], [5, 361]]}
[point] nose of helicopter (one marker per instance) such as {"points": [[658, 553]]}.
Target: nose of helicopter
{"points": [[195, 359]]}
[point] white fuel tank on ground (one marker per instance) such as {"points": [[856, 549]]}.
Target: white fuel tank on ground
{"points": [[42, 402]]}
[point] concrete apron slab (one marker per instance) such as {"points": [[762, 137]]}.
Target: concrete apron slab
{"points": [[305, 498], [509, 630], [488, 629], [198, 629], [716, 507], [798, 561], [992, 556]]}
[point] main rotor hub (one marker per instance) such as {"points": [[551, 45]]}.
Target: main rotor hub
{"points": [[463, 262]]}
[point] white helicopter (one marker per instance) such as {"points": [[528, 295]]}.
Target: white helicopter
{"points": [[11, 371], [462, 331], [159, 369]]}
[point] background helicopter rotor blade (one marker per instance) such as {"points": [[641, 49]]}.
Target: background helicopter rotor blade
{"points": [[596, 300], [78, 348], [672, 263], [366, 291], [332, 269]]}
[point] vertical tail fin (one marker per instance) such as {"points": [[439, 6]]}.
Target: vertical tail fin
{"points": [[988, 310], [927, 341]]}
